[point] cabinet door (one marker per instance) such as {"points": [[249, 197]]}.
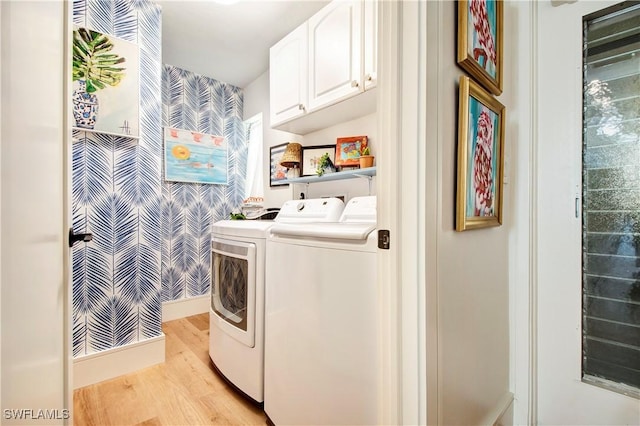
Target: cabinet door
{"points": [[335, 53], [370, 43], [288, 76]]}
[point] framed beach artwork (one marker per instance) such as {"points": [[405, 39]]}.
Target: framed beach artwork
{"points": [[106, 84], [195, 157], [311, 156], [480, 158], [277, 173], [480, 46], [349, 149]]}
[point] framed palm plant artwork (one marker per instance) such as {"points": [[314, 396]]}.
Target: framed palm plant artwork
{"points": [[106, 84], [480, 43], [480, 157]]}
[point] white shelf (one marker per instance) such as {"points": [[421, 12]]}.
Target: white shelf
{"points": [[121, 135], [348, 174]]}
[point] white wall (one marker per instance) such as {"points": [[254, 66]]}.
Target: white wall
{"points": [[367, 126], [256, 100], [472, 267], [562, 396]]}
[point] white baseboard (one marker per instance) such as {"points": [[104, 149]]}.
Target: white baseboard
{"points": [[501, 414], [176, 309], [105, 365]]}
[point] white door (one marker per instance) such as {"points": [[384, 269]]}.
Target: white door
{"points": [[288, 76], [335, 48], [34, 286], [563, 398]]}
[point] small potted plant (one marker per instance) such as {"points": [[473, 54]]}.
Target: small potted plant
{"points": [[366, 159], [325, 165]]}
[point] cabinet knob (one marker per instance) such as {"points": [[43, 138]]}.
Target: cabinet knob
{"points": [[355, 83], [301, 107], [371, 76]]}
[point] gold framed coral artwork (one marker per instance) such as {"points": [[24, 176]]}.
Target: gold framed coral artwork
{"points": [[480, 41], [480, 158]]}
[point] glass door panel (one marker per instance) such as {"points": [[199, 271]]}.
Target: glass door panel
{"points": [[611, 199]]}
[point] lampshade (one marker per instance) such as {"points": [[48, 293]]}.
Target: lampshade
{"points": [[292, 155]]}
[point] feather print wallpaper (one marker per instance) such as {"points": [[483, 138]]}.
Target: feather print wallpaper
{"points": [[151, 239], [116, 195], [197, 103]]}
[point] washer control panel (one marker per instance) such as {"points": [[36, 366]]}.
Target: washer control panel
{"points": [[311, 210]]}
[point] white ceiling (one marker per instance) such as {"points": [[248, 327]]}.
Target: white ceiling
{"points": [[229, 43]]}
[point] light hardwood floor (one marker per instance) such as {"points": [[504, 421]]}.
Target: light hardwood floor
{"points": [[183, 391]]}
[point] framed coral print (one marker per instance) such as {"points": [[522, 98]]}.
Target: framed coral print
{"points": [[277, 173], [480, 158], [311, 156], [480, 41], [106, 84], [349, 149]]}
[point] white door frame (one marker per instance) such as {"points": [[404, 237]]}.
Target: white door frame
{"points": [[386, 183], [67, 206], [401, 189], [0, 205]]}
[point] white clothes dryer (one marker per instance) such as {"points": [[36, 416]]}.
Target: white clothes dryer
{"points": [[236, 316], [321, 336]]}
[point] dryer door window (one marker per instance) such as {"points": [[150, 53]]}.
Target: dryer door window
{"points": [[233, 288]]}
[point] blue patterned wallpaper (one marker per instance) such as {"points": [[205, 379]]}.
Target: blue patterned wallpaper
{"points": [[151, 239], [117, 194], [201, 104]]}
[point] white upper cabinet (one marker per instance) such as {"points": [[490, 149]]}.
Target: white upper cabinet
{"points": [[370, 45], [321, 73], [288, 76], [335, 53]]}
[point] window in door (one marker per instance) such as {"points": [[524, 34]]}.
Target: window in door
{"points": [[611, 199]]}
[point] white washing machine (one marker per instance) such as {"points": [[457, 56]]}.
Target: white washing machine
{"points": [[321, 335], [236, 316]]}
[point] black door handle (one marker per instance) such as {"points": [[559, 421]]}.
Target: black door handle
{"points": [[73, 237]]}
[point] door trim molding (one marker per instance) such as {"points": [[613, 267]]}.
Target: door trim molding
{"points": [[67, 16], [389, 291], [1, 118], [401, 188], [413, 211], [533, 226]]}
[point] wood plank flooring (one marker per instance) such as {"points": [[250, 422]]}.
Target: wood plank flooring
{"points": [[183, 391]]}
